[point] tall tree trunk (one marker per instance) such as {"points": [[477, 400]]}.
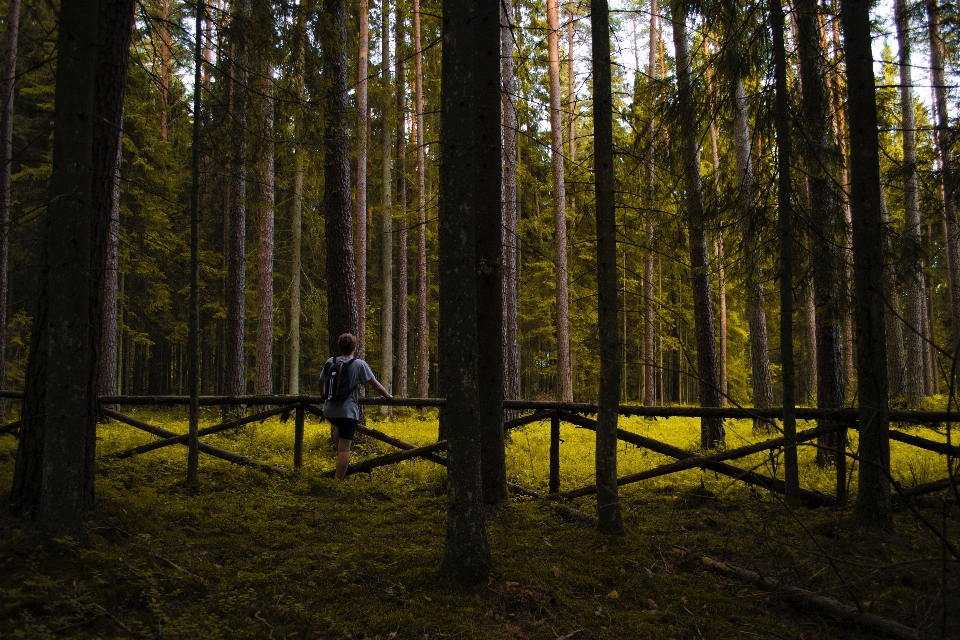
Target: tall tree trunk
{"points": [[910, 265], [565, 386], [873, 494], [718, 245], [489, 253], [785, 223], [68, 418], [572, 103], [297, 209], [511, 342], [944, 138], [401, 385], [466, 553], [818, 160], [6, 157], [264, 376], [896, 360], [361, 211], [164, 66], [608, 500], [386, 252], [237, 218], [423, 329], [338, 225], [711, 429], [193, 339], [650, 365]]}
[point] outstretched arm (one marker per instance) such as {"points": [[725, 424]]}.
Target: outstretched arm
{"points": [[381, 389]]}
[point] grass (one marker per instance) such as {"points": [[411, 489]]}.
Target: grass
{"points": [[250, 555]]}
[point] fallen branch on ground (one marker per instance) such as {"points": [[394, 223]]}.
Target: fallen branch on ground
{"points": [[10, 428], [576, 514], [828, 606], [368, 465]]}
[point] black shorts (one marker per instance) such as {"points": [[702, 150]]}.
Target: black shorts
{"points": [[345, 427]]}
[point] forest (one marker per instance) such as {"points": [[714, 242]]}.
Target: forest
{"points": [[665, 299]]}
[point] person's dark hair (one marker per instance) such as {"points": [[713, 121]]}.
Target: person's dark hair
{"points": [[347, 343]]}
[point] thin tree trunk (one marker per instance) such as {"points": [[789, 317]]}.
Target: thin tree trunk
{"points": [[511, 346], [466, 553], [237, 218], [896, 358], [361, 211], [68, 418], [909, 261], [565, 386], [718, 246], [423, 354], [571, 103], [401, 385], [193, 339], [650, 368], [297, 212], [6, 157], [785, 223], [711, 429], [608, 500], [944, 138], [386, 252], [817, 157], [164, 66], [264, 376], [873, 495], [338, 225]]}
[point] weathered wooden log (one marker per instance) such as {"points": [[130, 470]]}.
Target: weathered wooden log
{"points": [[692, 462], [182, 439], [369, 465], [524, 420], [925, 488], [807, 497], [10, 428], [828, 606], [298, 438], [216, 452], [924, 443], [271, 400], [11, 394]]}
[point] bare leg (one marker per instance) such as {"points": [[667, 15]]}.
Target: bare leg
{"points": [[335, 437], [343, 457]]}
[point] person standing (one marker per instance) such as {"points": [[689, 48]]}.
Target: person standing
{"points": [[345, 414]]}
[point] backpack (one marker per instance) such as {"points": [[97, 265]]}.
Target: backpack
{"points": [[335, 375]]}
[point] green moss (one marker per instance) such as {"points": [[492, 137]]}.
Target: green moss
{"points": [[254, 555]]}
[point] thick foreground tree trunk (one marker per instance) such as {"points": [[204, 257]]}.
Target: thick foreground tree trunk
{"points": [[264, 377], [338, 225], [873, 494], [711, 429], [361, 210], [6, 158], [608, 500], [511, 342], [466, 552]]}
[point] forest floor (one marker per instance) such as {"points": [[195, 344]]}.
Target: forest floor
{"points": [[251, 555]]}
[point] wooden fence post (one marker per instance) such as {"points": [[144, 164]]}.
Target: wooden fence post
{"points": [[841, 462], [554, 455], [298, 438]]}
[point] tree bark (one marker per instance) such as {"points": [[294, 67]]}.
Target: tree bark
{"points": [[338, 225], [386, 251], [423, 353], [264, 376], [910, 265], [466, 552], [572, 104], [896, 358], [711, 429], [402, 333], [511, 342], [164, 66], [234, 376], [68, 419], [873, 495], [361, 210], [608, 500], [489, 250], [297, 209], [564, 380], [193, 339], [6, 157], [818, 159], [944, 137], [650, 365]]}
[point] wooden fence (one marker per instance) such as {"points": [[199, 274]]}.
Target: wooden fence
{"points": [[575, 414]]}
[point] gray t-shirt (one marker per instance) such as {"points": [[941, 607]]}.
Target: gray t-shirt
{"points": [[358, 373]]}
